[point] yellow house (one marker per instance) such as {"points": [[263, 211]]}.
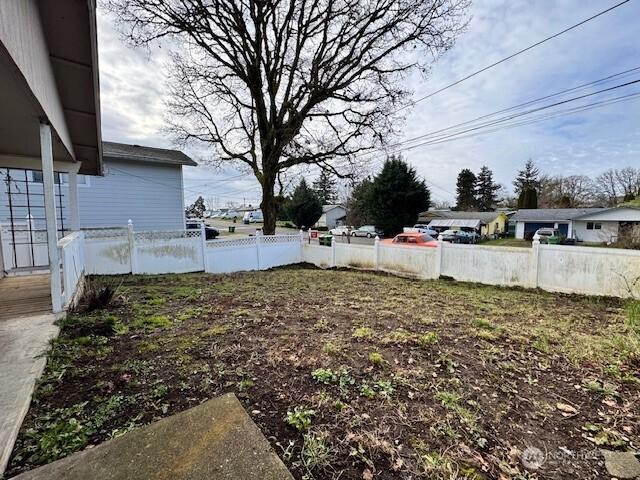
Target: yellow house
{"points": [[486, 223]]}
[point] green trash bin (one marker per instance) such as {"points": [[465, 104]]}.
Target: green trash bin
{"points": [[325, 240], [232, 229]]}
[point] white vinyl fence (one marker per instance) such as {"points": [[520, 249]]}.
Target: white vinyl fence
{"points": [[121, 251], [583, 270], [556, 268], [71, 249]]}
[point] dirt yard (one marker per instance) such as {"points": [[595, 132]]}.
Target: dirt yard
{"points": [[353, 375]]}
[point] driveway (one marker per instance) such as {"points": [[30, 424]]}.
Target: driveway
{"points": [[23, 343]]}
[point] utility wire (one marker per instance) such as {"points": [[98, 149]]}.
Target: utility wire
{"points": [[544, 117], [519, 52], [606, 79], [451, 131]]}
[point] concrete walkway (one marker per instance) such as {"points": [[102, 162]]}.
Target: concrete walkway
{"points": [[23, 343], [213, 441]]}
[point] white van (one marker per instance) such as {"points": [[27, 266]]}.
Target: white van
{"points": [[253, 216]]}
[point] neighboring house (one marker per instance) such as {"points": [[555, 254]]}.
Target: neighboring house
{"points": [[598, 225], [485, 223], [140, 183], [607, 226], [332, 216]]}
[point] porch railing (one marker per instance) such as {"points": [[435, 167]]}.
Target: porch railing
{"points": [[71, 249]]}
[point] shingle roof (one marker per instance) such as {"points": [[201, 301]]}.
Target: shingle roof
{"points": [[328, 208], [484, 217], [122, 151], [552, 214]]}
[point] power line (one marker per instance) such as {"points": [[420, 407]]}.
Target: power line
{"points": [[503, 126], [199, 192], [519, 52], [443, 131], [515, 107]]}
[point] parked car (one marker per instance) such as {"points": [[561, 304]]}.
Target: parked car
{"points": [[230, 215], [455, 236], [421, 228], [253, 216], [209, 232], [412, 239], [343, 230], [548, 235], [368, 231]]}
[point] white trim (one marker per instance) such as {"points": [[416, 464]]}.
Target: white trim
{"points": [[46, 147]]}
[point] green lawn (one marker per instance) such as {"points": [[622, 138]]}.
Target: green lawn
{"points": [[507, 242]]}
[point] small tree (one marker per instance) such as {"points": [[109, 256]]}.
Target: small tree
{"points": [[326, 188], [466, 190], [486, 190], [358, 204], [397, 196], [304, 207], [196, 209]]}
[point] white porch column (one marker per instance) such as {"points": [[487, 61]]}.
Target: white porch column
{"points": [[46, 153], [74, 214]]}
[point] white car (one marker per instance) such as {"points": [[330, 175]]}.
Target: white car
{"points": [[341, 230], [230, 215], [421, 228], [253, 216]]}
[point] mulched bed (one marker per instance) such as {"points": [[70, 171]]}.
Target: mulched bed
{"points": [[352, 375]]}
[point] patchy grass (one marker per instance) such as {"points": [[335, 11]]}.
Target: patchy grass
{"points": [[350, 374]]}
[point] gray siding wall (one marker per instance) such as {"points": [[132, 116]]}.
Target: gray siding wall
{"points": [[147, 193]]}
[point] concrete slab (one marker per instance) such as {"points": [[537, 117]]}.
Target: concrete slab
{"points": [[213, 441], [23, 344]]}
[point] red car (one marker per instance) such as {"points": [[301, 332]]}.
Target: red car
{"points": [[412, 240]]}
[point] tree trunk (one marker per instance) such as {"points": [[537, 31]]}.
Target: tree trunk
{"points": [[269, 205]]}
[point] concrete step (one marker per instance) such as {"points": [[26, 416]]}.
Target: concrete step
{"points": [[215, 440]]}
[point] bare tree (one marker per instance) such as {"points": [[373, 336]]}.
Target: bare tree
{"points": [[608, 187], [277, 83], [577, 191], [628, 179]]}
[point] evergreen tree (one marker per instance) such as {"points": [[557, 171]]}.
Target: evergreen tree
{"points": [[528, 198], [528, 178], [326, 188], [196, 209], [358, 204], [486, 190], [466, 190], [304, 207], [397, 196]]}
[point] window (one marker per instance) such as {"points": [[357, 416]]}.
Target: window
{"points": [[36, 177], [589, 225], [597, 226]]}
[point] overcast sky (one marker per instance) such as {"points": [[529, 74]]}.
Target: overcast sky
{"points": [[133, 93]]}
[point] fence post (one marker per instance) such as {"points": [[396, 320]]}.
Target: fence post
{"points": [[132, 247], [535, 260], [438, 259], [301, 246], [376, 252], [258, 254], [333, 251], [203, 241]]}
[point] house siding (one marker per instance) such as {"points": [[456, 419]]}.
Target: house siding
{"points": [[607, 233], [149, 194]]}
